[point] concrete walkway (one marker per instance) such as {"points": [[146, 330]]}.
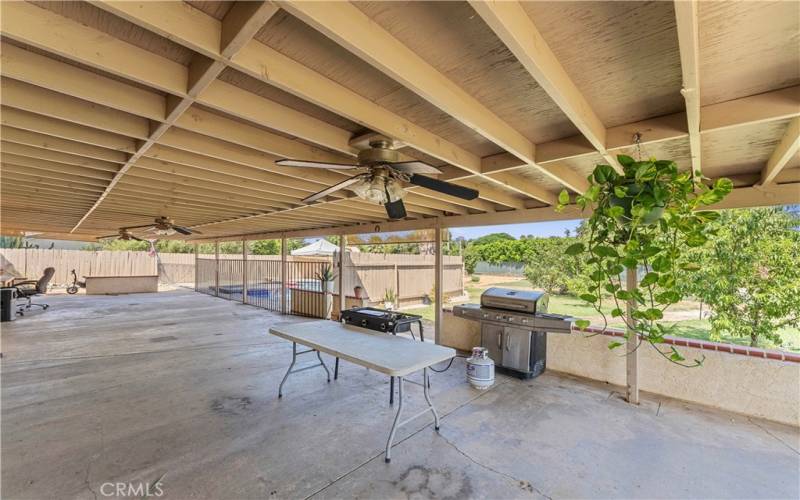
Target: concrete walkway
{"points": [[180, 389]]}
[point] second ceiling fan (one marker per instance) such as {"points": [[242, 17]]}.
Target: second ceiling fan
{"points": [[382, 182]]}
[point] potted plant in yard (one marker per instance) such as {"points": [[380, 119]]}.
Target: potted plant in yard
{"points": [[389, 299], [358, 291], [643, 221], [326, 277]]}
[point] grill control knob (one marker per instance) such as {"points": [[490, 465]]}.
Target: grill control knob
{"points": [[498, 317], [524, 320]]}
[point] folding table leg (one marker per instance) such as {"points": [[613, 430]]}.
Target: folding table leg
{"points": [[396, 424], [396, 419], [294, 360]]}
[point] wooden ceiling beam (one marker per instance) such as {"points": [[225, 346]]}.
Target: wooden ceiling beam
{"points": [[40, 181], [241, 23], [776, 105], [50, 155], [689, 45], [170, 77], [78, 172], [45, 102], [516, 30], [55, 166], [35, 139], [176, 21], [246, 105], [299, 80], [52, 127], [230, 99], [216, 177], [46, 30], [247, 198], [36, 69], [62, 176], [786, 149], [203, 122], [352, 29]]}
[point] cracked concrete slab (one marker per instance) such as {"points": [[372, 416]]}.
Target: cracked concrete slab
{"points": [[88, 399]]}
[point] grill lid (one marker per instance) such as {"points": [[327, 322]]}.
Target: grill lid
{"points": [[527, 301]]}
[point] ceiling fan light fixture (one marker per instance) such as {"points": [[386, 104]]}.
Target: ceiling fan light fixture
{"points": [[376, 191], [394, 190], [372, 190]]}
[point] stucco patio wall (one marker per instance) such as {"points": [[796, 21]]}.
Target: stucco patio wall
{"points": [[754, 382]]}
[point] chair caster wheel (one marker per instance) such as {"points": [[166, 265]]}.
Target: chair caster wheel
{"points": [[436, 428], [387, 460], [280, 396]]}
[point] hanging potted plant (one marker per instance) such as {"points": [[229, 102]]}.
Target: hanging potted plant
{"points": [[326, 277], [643, 221]]}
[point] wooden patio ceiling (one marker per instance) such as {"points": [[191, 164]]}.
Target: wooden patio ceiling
{"points": [[114, 113]]}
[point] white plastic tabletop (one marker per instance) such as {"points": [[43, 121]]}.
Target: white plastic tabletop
{"points": [[383, 352]]}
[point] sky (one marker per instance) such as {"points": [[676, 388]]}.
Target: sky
{"points": [[550, 228]]}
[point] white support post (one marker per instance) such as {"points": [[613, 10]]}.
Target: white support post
{"points": [[397, 284], [342, 294], [216, 268], [196, 269], [632, 359], [244, 271], [283, 274], [438, 281]]}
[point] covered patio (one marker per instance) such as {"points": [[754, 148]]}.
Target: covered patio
{"points": [[233, 121], [189, 397]]}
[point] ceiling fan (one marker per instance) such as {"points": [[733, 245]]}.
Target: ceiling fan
{"points": [[123, 235], [382, 182], [163, 226]]}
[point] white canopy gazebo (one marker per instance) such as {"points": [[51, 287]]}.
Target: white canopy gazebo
{"points": [[321, 247]]}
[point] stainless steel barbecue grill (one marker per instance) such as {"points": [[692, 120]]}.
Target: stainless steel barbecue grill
{"points": [[514, 326]]}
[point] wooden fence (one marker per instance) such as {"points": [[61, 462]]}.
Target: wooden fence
{"points": [[409, 276]]}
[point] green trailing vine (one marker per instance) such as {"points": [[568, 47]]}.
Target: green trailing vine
{"points": [[644, 220]]}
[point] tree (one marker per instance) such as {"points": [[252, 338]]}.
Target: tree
{"points": [[491, 238], [551, 269], [266, 247], [11, 241], [750, 274]]}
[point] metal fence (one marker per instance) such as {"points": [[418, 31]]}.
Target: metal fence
{"points": [[260, 285], [264, 284]]}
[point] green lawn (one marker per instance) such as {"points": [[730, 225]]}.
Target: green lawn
{"points": [[689, 327]]}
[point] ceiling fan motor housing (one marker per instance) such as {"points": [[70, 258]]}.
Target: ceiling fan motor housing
{"points": [[379, 153]]}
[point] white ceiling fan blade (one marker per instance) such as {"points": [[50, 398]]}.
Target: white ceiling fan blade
{"points": [[314, 164], [334, 188], [415, 167]]}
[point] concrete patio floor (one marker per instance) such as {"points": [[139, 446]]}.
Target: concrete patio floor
{"points": [[181, 387]]}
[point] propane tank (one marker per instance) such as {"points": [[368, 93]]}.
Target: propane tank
{"points": [[480, 369]]}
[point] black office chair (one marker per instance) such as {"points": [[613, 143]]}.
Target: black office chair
{"points": [[28, 289]]}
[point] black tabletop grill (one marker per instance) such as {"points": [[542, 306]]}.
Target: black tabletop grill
{"points": [[381, 320], [514, 326]]}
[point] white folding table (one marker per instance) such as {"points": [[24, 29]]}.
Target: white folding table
{"points": [[383, 352]]}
